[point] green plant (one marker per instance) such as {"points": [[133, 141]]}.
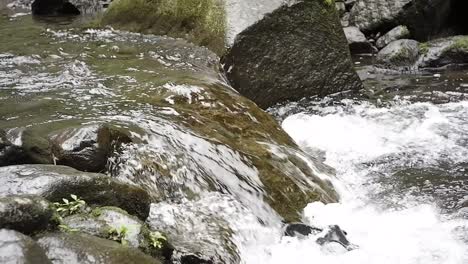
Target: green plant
{"points": [[67, 229], [330, 2], [118, 234], [423, 48], [157, 240], [69, 207]]}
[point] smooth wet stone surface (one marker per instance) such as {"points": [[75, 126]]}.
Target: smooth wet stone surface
{"points": [[26, 214], [396, 33], [16, 248], [82, 248], [357, 41], [57, 182]]}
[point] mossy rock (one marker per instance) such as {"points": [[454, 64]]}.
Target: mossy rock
{"points": [[57, 182], [18, 248], [201, 22], [83, 248]]}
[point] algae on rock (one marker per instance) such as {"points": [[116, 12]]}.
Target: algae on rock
{"points": [[201, 22]]}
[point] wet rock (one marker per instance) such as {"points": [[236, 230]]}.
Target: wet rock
{"points": [[9, 153], [357, 41], [399, 53], [334, 234], [83, 248], [101, 221], [396, 33], [198, 232], [86, 148], [340, 7], [36, 148], [272, 60], [26, 214], [57, 182], [18, 248], [442, 52], [299, 229]]}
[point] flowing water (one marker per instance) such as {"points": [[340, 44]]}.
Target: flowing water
{"points": [[400, 158]]}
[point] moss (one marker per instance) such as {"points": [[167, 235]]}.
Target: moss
{"points": [[423, 48], [460, 44], [329, 2], [201, 22]]}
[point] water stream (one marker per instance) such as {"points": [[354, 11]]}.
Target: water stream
{"points": [[401, 163]]}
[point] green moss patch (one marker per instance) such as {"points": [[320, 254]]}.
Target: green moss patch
{"points": [[199, 21]]}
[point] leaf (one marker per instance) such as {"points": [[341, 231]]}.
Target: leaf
{"points": [[74, 197], [65, 201]]}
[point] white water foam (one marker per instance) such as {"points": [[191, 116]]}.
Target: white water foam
{"points": [[359, 134]]}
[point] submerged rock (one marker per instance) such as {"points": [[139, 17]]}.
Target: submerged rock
{"points": [[399, 53], [26, 214], [82, 248], [57, 182], [18, 248], [396, 33], [357, 41], [297, 51]]}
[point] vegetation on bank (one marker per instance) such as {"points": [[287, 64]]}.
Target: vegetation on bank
{"points": [[199, 21]]}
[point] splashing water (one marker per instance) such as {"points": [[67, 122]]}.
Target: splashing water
{"points": [[392, 218]]}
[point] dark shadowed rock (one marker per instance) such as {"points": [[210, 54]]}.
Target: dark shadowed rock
{"points": [[399, 53], [16, 248], [82, 248], [299, 229], [297, 51], [86, 148], [26, 214], [397, 33], [9, 153], [57, 182], [425, 19], [357, 41]]}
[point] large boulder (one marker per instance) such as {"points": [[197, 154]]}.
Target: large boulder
{"points": [[82, 248], [297, 51], [445, 51], [18, 248], [26, 214], [57, 182], [400, 53]]}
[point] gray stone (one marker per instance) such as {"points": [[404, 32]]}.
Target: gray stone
{"points": [[82, 248], [295, 52], [16, 248], [369, 15], [101, 220], [445, 51], [399, 53], [396, 33], [345, 20], [86, 148], [340, 7], [57, 182], [357, 41], [26, 214]]}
